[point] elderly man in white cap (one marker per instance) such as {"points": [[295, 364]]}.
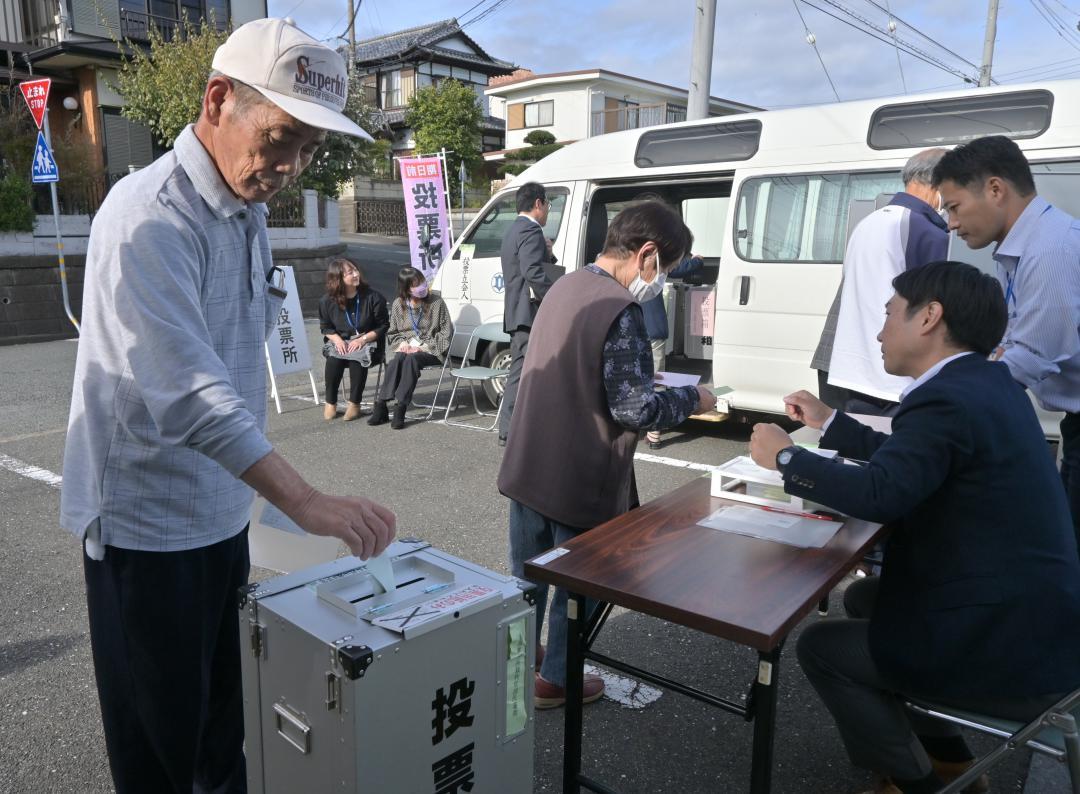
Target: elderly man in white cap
{"points": [[166, 440]]}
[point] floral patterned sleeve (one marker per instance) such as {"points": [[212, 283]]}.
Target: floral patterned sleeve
{"points": [[628, 378]]}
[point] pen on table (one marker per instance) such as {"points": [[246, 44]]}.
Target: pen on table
{"points": [[799, 514]]}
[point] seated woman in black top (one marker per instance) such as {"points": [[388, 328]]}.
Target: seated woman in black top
{"points": [[351, 317], [419, 336]]}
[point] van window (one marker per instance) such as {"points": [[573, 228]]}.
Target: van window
{"points": [[802, 218], [488, 234], [1021, 114], [711, 143]]}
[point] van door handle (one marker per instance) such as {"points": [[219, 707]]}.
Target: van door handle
{"points": [[744, 290]]}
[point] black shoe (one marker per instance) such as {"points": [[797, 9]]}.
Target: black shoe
{"points": [[502, 441], [398, 421], [379, 414]]}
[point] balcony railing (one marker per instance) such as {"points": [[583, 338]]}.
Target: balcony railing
{"points": [[136, 25], [633, 117]]}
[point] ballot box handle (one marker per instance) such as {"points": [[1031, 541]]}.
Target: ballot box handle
{"points": [[292, 729]]}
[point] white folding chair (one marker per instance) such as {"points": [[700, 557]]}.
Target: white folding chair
{"points": [[489, 332]]}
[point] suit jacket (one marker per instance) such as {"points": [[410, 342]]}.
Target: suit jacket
{"points": [[526, 275], [980, 586]]}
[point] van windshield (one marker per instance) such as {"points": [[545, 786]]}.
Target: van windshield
{"points": [[487, 235]]}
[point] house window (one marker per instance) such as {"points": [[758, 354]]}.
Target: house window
{"points": [[137, 16], [396, 88], [390, 89], [540, 114]]}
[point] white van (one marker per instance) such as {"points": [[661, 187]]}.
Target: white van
{"points": [[767, 196]]}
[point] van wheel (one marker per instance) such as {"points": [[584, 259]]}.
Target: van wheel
{"points": [[498, 357]]}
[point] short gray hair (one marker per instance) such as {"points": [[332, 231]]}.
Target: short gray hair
{"points": [[920, 168], [246, 96]]}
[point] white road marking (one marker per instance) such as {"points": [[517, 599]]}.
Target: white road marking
{"points": [[39, 434], [682, 464], [627, 692], [30, 472]]}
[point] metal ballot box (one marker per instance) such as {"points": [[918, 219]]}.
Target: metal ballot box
{"points": [[423, 690]]}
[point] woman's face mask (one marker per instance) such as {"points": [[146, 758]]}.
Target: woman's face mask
{"points": [[420, 290], [644, 291]]}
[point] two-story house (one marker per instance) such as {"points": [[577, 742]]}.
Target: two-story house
{"points": [[75, 42], [394, 66], [581, 104]]}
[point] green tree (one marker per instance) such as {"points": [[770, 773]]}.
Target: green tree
{"points": [[163, 88], [17, 139], [447, 116]]}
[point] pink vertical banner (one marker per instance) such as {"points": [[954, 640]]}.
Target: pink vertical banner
{"points": [[425, 209]]}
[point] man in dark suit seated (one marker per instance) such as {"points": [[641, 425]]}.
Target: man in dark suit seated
{"points": [[978, 603]]}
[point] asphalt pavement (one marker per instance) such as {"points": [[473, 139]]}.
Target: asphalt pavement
{"points": [[440, 481]]}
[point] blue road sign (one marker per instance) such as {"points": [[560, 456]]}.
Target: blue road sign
{"points": [[44, 168]]}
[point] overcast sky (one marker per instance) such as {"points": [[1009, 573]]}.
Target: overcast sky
{"points": [[761, 55]]}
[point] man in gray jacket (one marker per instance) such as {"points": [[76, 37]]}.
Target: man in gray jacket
{"points": [[524, 254], [166, 441]]}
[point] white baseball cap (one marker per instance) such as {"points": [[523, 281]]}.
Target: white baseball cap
{"points": [[306, 79]]}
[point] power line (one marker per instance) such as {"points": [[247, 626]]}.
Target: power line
{"points": [[896, 47], [1054, 22], [918, 32], [905, 46], [812, 41], [487, 12]]}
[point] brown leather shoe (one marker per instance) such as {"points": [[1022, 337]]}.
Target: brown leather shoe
{"points": [[549, 696], [352, 411], [329, 411], [949, 771]]}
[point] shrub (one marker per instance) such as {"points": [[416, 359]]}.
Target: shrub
{"points": [[16, 214], [539, 138]]}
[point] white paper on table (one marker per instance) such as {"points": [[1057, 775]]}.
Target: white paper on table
{"points": [[807, 533], [743, 467], [674, 379], [381, 568]]}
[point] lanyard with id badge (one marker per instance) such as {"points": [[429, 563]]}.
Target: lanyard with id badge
{"points": [[415, 320]]}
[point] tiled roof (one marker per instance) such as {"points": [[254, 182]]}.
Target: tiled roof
{"points": [[397, 118], [424, 38]]}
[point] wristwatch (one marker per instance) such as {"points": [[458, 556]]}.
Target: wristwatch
{"points": [[784, 456]]}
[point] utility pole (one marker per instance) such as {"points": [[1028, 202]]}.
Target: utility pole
{"points": [[697, 105], [352, 34], [988, 43]]}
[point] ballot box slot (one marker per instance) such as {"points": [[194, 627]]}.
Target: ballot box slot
{"points": [[399, 586], [359, 594]]}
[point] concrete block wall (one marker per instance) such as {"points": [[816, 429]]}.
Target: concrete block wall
{"points": [[32, 307], [31, 300], [42, 241]]}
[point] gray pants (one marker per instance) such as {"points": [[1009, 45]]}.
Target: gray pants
{"points": [[519, 343], [878, 732]]}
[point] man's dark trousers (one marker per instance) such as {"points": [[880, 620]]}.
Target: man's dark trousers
{"points": [[519, 342], [164, 630], [1070, 466]]}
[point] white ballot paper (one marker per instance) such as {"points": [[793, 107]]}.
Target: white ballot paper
{"points": [[383, 572], [277, 543], [789, 528], [676, 379]]}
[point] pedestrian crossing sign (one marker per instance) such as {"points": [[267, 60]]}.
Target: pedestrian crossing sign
{"points": [[44, 168]]}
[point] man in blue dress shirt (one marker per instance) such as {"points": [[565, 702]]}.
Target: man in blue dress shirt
{"points": [[987, 188]]}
